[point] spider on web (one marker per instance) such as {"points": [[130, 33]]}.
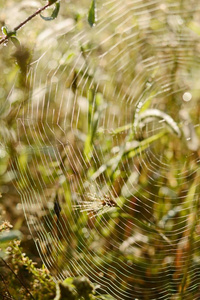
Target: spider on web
{"points": [[96, 204]]}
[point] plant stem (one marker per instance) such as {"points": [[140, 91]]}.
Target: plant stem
{"points": [[7, 290], [4, 39], [27, 290], [195, 216]]}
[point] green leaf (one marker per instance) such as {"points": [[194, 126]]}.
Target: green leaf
{"points": [[15, 41], [7, 33], [130, 150], [69, 281], [10, 235], [92, 18], [52, 1], [96, 107], [11, 33], [54, 13], [4, 30]]}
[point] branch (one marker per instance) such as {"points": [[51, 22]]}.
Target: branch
{"points": [[4, 39]]}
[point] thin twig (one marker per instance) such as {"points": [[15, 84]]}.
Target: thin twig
{"points": [[19, 279], [4, 39], [5, 297], [6, 287]]}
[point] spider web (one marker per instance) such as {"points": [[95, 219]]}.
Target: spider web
{"points": [[108, 149]]}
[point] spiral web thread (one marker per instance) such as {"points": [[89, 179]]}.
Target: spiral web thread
{"points": [[107, 193]]}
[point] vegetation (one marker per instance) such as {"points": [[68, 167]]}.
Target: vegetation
{"points": [[99, 150]]}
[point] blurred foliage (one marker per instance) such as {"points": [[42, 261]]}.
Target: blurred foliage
{"points": [[20, 276], [154, 215]]}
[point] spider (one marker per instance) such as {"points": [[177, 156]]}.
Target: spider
{"points": [[95, 204]]}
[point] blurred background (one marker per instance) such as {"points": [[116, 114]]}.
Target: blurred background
{"points": [[99, 149]]}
